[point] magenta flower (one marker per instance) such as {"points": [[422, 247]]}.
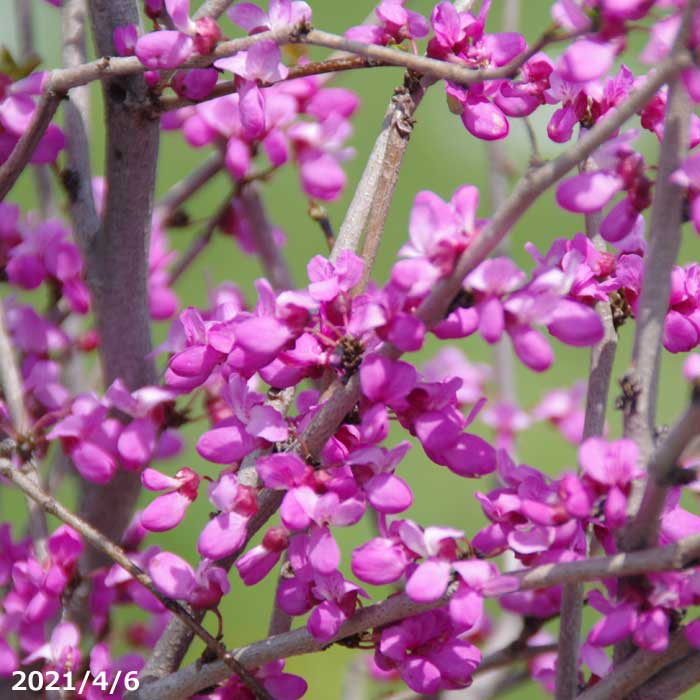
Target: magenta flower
{"points": [[168, 49], [428, 654], [226, 531], [16, 110], [90, 438], [284, 686], [452, 362], [396, 23], [282, 14], [257, 562], [563, 409], [167, 511], [610, 467], [176, 578], [114, 672], [460, 37], [62, 651], [139, 440]]}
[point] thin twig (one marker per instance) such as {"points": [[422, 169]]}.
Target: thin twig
{"points": [[326, 68], [13, 391], [270, 253], [180, 192], [200, 242], [116, 554], [24, 149]]}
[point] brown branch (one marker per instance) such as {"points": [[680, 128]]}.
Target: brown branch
{"points": [[78, 174], [117, 260], [399, 128], [600, 373], [672, 681], [116, 554], [440, 70], [327, 67]]}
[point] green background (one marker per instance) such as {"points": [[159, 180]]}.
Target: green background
{"points": [[441, 156]]}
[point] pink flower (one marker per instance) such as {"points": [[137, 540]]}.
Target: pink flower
{"points": [[62, 652], [176, 579], [396, 23], [427, 653], [226, 531], [282, 14], [167, 511]]}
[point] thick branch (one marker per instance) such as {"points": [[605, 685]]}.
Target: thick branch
{"points": [[117, 260], [663, 247], [638, 668], [672, 681], [644, 529]]}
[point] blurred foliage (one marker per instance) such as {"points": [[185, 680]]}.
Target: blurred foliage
{"points": [[441, 156]]}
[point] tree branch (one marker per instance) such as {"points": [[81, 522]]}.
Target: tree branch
{"points": [[327, 67], [273, 263], [663, 246], [398, 132], [440, 70], [24, 149], [76, 120], [193, 678], [600, 373], [200, 242], [13, 392], [117, 259], [639, 667], [644, 529], [672, 681], [179, 193]]}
